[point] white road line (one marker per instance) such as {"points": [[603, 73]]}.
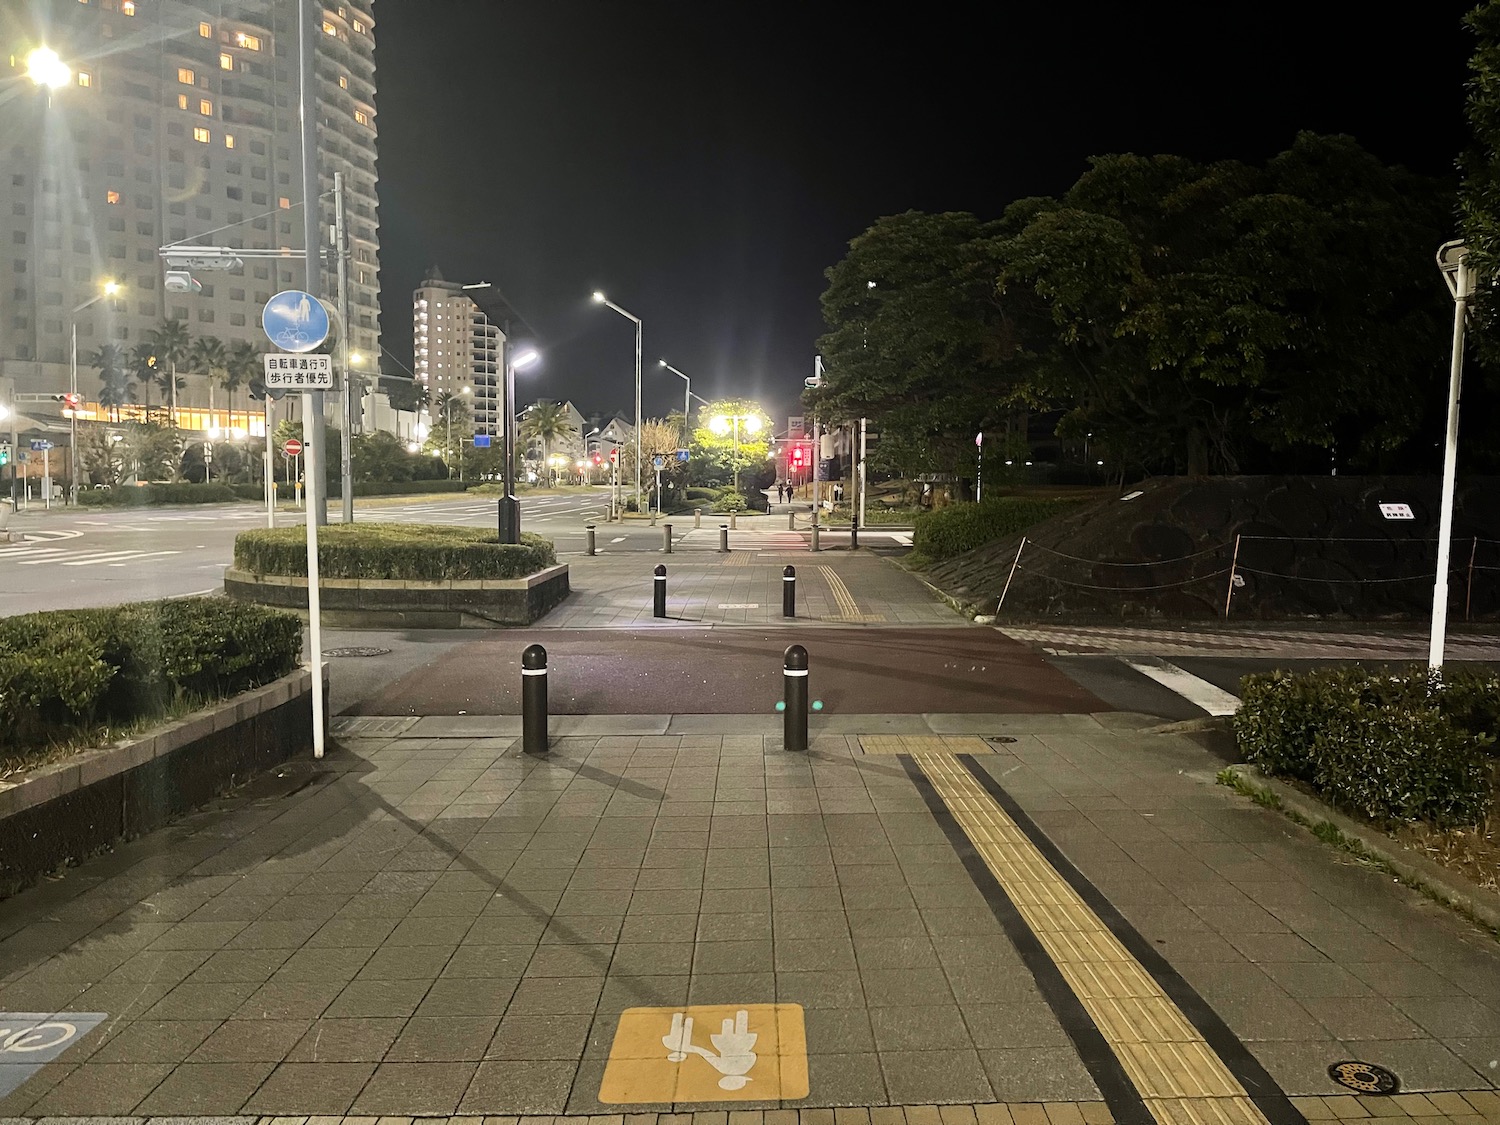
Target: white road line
{"points": [[1199, 692], [621, 539], [119, 556]]}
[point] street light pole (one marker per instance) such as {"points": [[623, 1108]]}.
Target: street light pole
{"points": [[601, 299], [307, 101], [510, 507], [1453, 260]]}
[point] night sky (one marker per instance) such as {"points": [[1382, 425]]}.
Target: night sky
{"points": [[703, 162]]}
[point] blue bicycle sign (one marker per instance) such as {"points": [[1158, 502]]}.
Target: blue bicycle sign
{"points": [[295, 321]]}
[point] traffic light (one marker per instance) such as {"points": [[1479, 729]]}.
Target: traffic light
{"points": [[5, 454], [598, 460]]}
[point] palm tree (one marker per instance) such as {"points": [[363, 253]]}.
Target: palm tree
{"points": [[170, 343], [143, 369], [546, 422], [112, 364], [208, 357]]}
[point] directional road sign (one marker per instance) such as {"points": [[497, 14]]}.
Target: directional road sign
{"points": [[299, 372], [40, 445], [295, 321], [481, 441], [682, 455], [292, 447]]}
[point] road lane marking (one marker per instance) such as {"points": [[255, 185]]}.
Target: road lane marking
{"points": [[1199, 692], [1171, 1068], [116, 556], [619, 539]]}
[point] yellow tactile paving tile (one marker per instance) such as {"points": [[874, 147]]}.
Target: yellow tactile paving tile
{"points": [[923, 744], [1180, 1078]]}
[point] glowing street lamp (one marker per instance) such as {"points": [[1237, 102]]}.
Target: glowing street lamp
{"points": [[601, 299], [107, 289], [44, 68], [509, 508]]}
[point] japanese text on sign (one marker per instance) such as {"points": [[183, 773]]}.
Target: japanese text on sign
{"points": [[299, 372]]}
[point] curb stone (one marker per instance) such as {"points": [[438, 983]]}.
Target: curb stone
{"points": [[1432, 878]]}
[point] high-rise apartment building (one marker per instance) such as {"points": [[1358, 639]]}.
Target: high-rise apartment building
{"points": [[454, 345], [178, 121]]}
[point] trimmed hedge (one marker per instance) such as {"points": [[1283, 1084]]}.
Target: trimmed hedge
{"points": [[951, 531], [1389, 747], [415, 552], [148, 495], [63, 672]]}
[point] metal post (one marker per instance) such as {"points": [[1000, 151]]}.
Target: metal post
{"points": [[854, 531], [637, 415], [659, 591], [1233, 562], [791, 520], [1462, 284], [666, 539], [534, 700], [863, 475], [732, 520], [789, 591], [724, 538], [46, 479], [270, 469], [1469, 589], [588, 538], [307, 108], [697, 518], [1011, 575], [794, 678], [815, 524], [341, 256], [509, 508], [314, 603], [73, 416]]}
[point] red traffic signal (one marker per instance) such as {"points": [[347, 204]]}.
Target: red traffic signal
{"points": [[598, 460]]}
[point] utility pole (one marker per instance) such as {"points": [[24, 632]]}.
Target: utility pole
{"points": [[341, 252], [307, 107]]}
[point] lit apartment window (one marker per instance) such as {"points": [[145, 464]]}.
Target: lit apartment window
{"points": [[186, 76], [226, 61], [343, 81], [85, 78], [284, 203], [206, 30], [228, 140], [362, 117], [329, 29], [249, 42], [112, 197], [200, 135], [359, 26], [182, 101], [127, 7], [205, 107]]}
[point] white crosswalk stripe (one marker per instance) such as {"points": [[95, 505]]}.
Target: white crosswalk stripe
{"points": [[57, 556], [116, 557]]}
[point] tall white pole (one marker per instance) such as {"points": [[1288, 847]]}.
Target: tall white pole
{"points": [[341, 257], [1463, 282], [314, 600], [307, 108], [637, 415], [73, 417], [270, 468], [862, 475]]}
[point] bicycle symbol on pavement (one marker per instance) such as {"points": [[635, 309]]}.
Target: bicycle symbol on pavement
{"points": [[28, 1040]]}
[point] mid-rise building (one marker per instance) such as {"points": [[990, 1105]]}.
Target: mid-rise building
{"points": [[177, 121], [455, 345]]}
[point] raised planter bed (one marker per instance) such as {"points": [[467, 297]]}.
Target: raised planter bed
{"points": [[66, 811], [383, 603]]}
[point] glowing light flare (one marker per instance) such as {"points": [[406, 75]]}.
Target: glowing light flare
{"points": [[44, 68]]}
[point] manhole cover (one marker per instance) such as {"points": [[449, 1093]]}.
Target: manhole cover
{"points": [[355, 651], [998, 739], [1367, 1078]]}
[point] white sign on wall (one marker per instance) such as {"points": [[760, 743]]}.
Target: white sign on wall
{"points": [[1397, 511]]}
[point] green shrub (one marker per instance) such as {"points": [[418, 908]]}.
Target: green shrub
{"points": [[702, 493], [1386, 746], [65, 670], [951, 531], [150, 495], [415, 552]]}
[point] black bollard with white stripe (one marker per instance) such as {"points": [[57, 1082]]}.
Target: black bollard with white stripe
{"points": [[794, 669], [854, 532], [588, 531], [723, 538], [534, 700], [789, 591], [659, 595]]}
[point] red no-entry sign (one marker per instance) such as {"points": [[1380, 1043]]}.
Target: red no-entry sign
{"points": [[292, 448]]}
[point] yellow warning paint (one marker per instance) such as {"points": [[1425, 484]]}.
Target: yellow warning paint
{"points": [[1180, 1078], [707, 1053]]}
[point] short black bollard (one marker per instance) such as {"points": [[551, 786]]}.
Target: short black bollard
{"points": [[854, 532], [588, 532], [723, 537], [815, 547], [659, 600], [732, 516], [794, 669], [666, 539], [534, 700], [791, 521], [789, 591]]}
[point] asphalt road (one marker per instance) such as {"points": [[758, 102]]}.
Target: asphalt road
{"points": [[738, 670]]}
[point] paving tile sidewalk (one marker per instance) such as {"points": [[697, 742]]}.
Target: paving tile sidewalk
{"points": [[435, 926]]}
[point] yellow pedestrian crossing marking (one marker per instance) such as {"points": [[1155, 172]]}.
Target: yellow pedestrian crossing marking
{"points": [[1179, 1077]]}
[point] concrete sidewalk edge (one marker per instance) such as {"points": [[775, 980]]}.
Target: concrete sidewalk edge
{"points": [[1476, 903]]}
